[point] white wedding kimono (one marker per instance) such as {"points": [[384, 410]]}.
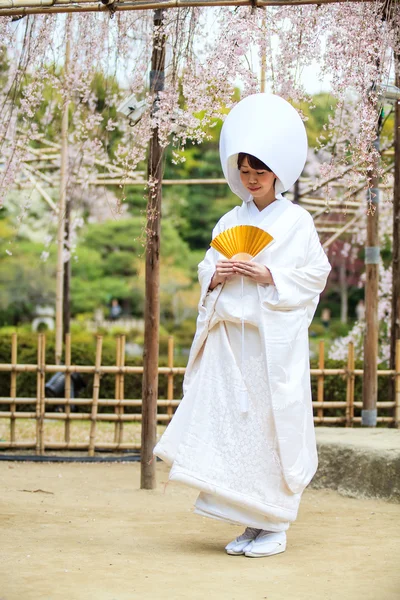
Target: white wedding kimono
{"points": [[251, 463]]}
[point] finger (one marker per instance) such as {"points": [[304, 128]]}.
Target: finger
{"points": [[247, 273], [244, 274], [226, 273], [224, 262], [244, 269], [225, 269], [244, 263]]}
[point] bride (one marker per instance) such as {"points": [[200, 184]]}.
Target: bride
{"points": [[243, 434]]}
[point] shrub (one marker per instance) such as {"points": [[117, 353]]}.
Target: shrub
{"points": [[83, 352]]}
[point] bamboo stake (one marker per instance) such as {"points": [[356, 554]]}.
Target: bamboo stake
{"points": [[340, 231], [42, 393], [170, 389], [41, 175], [96, 389], [163, 418], [117, 386], [143, 182], [128, 370], [137, 403], [67, 431], [13, 385], [38, 392], [121, 391], [112, 418], [397, 386], [350, 386], [41, 191], [320, 388], [72, 446]]}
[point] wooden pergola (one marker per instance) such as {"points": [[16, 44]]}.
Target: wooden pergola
{"points": [[20, 8], [37, 7]]}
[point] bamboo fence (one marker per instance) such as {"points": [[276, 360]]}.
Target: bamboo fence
{"points": [[43, 405]]}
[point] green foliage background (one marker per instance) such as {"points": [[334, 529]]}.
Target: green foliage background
{"points": [[109, 256]]}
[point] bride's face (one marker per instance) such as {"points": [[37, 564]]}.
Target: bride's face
{"points": [[259, 182]]}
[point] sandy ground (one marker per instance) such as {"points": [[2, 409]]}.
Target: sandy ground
{"points": [[87, 532]]}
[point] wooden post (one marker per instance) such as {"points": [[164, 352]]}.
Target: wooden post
{"points": [[38, 391], [42, 393], [344, 300], [119, 389], [67, 430], [320, 388], [13, 385], [61, 208], [372, 257], [397, 386], [152, 304], [170, 389], [350, 386], [95, 401], [395, 320]]}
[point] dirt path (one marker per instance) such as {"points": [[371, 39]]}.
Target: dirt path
{"points": [[91, 534]]}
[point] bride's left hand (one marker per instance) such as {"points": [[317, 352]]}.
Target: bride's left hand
{"points": [[256, 272]]}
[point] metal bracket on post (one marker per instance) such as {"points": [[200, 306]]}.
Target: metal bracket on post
{"points": [[373, 195], [372, 255], [369, 417], [111, 5], [157, 80]]}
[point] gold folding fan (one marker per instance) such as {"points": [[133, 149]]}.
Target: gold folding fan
{"points": [[242, 242]]}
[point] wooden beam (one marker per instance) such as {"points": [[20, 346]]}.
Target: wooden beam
{"points": [[339, 232], [30, 7], [41, 191]]}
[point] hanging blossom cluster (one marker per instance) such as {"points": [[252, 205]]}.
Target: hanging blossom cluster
{"points": [[209, 53], [358, 56]]}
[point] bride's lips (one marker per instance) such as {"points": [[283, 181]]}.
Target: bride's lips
{"points": [[254, 189]]}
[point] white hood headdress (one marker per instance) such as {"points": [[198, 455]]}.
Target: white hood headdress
{"points": [[269, 128]]}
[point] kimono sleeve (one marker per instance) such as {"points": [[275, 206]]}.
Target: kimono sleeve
{"points": [[206, 268], [298, 286]]}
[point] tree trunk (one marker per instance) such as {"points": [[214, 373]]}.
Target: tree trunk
{"points": [[152, 304], [61, 211]]}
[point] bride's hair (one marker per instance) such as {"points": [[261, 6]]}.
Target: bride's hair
{"points": [[254, 162]]}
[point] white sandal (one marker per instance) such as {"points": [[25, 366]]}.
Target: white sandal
{"points": [[239, 545], [266, 544]]}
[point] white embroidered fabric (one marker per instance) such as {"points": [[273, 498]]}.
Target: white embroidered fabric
{"points": [[261, 460], [234, 455]]}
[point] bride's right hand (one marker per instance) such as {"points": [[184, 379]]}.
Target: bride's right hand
{"points": [[223, 271]]}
